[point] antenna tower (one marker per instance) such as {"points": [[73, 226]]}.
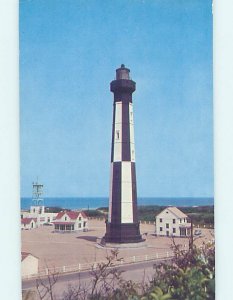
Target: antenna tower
{"points": [[37, 192]]}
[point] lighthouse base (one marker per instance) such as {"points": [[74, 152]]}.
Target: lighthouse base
{"points": [[122, 233]]}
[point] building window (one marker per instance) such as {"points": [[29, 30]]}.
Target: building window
{"points": [[174, 230], [174, 221], [160, 228], [167, 225], [80, 218], [160, 220], [79, 225], [68, 227]]}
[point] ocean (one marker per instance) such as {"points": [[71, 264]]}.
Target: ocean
{"points": [[95, 202]]}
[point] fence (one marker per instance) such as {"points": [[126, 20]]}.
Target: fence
{"points": [[93, 265], [207, 226], [103, 219]]}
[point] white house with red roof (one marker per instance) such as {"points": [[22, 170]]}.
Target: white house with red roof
{"points": [[172, 222], [28, 223], [29, 264], [68, 221]]}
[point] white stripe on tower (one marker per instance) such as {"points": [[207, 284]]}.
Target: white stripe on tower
{"points": [[117, 156], [131, 128], [110, 194], [126, 193]]}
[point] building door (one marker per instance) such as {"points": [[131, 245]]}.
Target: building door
{"points": [[167, 233], [182, 231]]}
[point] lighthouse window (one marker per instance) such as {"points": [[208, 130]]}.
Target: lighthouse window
{"points": [[118, 134]]}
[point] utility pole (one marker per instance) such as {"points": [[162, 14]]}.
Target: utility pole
{"points": [[191, 238]]}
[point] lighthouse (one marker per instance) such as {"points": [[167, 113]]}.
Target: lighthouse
{"points": [[122, 225]]}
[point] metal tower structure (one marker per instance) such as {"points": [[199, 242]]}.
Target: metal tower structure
{"points": [[37, 192]]}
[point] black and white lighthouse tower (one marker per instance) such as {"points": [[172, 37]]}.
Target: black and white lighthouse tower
{"points": [[122, 225]]}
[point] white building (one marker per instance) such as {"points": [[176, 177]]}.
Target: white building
{"points": [[68, 221], [28, 223], [29, 264], [39, 213], [172, 222]]}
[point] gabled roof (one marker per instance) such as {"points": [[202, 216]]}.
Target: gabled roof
{"points": [[174, 210], [83, 214], [26, 254], [27, 220], [177, 212], [72, 214]]}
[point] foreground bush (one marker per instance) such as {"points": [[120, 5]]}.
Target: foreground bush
{"points": [[190, 275]]}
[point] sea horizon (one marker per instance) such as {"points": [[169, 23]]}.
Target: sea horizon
{"points": [[96, 202]]}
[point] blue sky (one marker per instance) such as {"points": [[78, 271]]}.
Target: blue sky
{"points": [[69, 51]]}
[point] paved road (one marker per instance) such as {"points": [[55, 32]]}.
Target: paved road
{"points": [[72, 278]]}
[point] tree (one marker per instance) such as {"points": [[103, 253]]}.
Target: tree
{"points": [[45, 287], [106, 283], [190, 275]]}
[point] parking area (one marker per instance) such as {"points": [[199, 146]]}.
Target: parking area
{"points": [[65, 249]]}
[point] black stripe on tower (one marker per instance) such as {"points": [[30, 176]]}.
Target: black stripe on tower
{"points": [[122, 97], [134, 192], [113, 132], [125, 132], [116, 193]]}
